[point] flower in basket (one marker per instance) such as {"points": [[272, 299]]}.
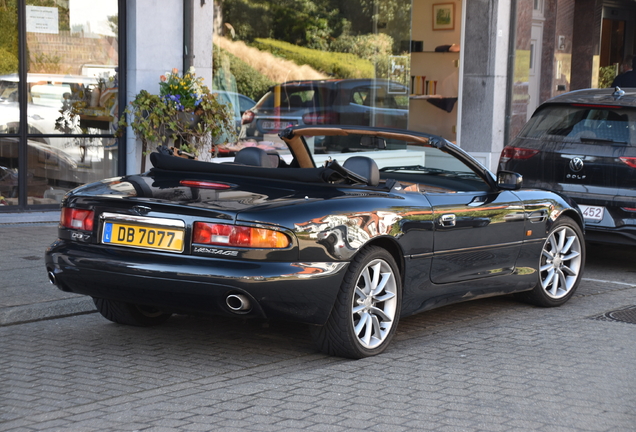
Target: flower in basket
{"points": [[185, 115], [184, 93]]}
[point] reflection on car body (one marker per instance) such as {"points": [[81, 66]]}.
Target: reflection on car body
{"points": [[344, 242]]}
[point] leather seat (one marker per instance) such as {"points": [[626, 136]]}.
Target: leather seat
{"points": [[365, 167], [255, 156]]}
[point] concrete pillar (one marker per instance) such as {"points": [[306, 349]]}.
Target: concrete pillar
{"points": [[484, 78], [586, 40], [203, 31]]}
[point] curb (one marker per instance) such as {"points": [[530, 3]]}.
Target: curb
{"points": [[46, 311]]}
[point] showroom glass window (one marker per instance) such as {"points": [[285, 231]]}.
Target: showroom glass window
{"points": [[385, 63], [57, 112], [9, 118]]}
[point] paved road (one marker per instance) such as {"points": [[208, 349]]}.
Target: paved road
{"points": [[487, 365]]}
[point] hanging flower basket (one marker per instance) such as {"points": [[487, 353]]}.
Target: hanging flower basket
{"points": [[189, 119], [185, 115]]}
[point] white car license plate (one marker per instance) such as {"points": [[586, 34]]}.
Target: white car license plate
{"points": [[278, 124], [592, 213]]}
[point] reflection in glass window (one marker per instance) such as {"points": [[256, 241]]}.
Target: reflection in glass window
{"points": [[73, 61], [62, 164], [315, 62], [72, 96], [9, 186], [9, 122]]}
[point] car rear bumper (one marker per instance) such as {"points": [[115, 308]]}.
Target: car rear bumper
{"points": [[625, 235], [302, 292], [617, 226]]}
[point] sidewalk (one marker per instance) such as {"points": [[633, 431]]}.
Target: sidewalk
{"points": [[25, 291]]}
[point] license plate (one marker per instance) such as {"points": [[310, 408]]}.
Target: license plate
{"points": [[278, 124], [143, 236], [592, 213]]}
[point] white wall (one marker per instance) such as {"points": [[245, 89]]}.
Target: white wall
{"points": [[435, 66]]}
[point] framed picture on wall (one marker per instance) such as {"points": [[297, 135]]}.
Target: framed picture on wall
{"points": [[444, 16]]}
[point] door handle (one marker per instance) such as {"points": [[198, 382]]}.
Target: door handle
{"points": [[447, 220]]}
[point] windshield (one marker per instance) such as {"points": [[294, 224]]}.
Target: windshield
{"points": [[417, 166]]}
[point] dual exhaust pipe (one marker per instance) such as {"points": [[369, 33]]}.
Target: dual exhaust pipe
{"points": [[238, 303], [52, 278]]}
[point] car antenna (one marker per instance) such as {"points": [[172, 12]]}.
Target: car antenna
{"points": [[618, 93]]}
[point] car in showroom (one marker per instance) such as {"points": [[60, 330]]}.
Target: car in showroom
{"points": [[346, 242], [583, 144], [362, 102]]}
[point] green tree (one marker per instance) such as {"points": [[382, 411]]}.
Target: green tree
{"points": [[8, 36], [308, 23]]}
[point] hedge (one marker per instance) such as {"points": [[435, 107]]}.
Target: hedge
{"points": [[249, 81], [337, 65]]}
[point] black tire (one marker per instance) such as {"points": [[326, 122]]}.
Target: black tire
{"points": [[367, 309], [130, 314], [560, 266]]}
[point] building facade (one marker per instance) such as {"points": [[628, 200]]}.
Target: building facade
{"points": [[470, 71]]}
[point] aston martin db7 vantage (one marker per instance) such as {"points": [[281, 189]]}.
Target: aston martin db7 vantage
{"points": [[347, 230]]}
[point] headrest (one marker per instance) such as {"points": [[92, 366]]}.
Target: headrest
{"points": [[255, 156], [365, 167]]}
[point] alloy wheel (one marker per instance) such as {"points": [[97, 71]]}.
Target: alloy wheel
{"points": [[374, 304], [561, 262]]}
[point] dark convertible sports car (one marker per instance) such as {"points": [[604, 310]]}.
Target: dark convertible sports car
{"points": [[348, 230]]}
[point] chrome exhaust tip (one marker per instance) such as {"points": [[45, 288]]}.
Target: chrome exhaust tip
{"points": [[52, 277], [238, 303]]}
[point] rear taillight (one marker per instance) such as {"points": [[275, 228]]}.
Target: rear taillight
{"points": [[205, 184], [319, 118], [629, 209], [247, 118], [78, 219], [239, 236], [631, 161], [517, 153]]}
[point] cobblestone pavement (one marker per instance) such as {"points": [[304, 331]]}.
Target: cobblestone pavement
{"points": [[487, 365]]}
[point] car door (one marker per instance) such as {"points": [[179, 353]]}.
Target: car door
{"points": [[477, 234], [477, 228]]}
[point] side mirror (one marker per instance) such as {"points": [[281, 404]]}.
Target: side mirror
{"points": [[509, 180]]}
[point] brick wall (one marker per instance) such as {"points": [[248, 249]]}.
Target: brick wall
{"points": [[66, 53]]}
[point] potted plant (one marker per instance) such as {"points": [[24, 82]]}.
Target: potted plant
{"points": [[185, 115]]}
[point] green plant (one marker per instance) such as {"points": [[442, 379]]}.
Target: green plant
{"points": [[190, 122], [338, 65], [249, 81], [8, 62], [184, 93], [606, 75]]}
